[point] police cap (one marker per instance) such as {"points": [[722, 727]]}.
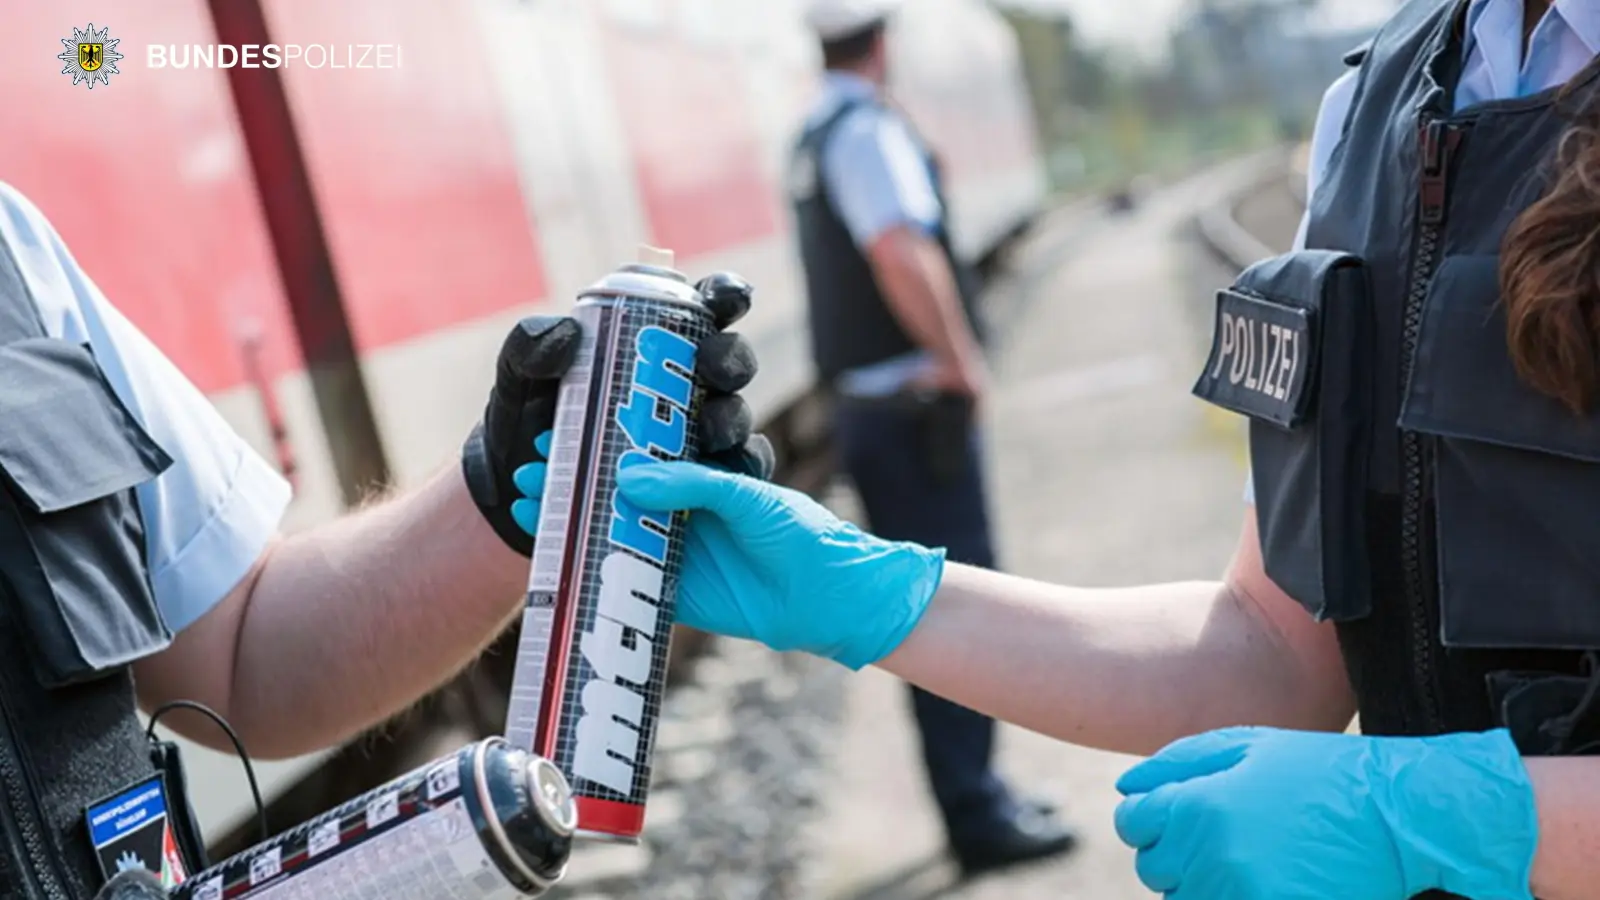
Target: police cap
{"points": [[836, 19]]}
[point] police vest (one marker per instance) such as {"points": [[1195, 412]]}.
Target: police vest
{"points": [[76, 606], [1409, 486], [850, 322]]}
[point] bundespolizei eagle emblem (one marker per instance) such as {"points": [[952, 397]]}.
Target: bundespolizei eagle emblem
{"points": [[90, 56]]}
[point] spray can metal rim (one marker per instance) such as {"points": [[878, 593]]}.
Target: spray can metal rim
{"points": [[552, 801], [647, 280], [552, 795]]}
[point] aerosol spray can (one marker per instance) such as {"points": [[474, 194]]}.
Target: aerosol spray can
{"points": [[591, 666], [486, 823]]}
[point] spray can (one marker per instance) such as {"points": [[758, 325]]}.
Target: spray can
{"points": [[591, 665], [486, 823]]}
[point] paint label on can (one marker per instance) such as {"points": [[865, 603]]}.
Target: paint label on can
{"points": [[535, 647], [323, 838], [414, 837], [436, 854], [602, 590]]}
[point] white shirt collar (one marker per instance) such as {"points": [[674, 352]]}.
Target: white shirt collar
{"points": [[848, 85], [1494, 30]]}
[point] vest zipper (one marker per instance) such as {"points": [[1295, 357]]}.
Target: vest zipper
{"points": [[21, 810], [1436, 143]]}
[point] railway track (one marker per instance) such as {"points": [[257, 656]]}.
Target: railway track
{"points": [[1260, 220]]}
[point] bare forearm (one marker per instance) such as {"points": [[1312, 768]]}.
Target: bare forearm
{"points": [[921, 292], [1127, 670], [351, 622], [1567, 792]]}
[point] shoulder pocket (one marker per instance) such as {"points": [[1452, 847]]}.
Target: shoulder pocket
{"points": [[1515, 478], [71, 539], [1291, 347]]}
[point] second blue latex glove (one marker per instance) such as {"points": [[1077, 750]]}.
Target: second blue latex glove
{"points": [[1246, 813], [769, 564]]}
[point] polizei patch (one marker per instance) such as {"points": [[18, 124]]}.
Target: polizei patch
{"points": [[1262, 354]]}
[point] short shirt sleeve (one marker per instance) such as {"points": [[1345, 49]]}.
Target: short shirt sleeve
{"points": [[1325, 137], [876, 176], [208, 517]]}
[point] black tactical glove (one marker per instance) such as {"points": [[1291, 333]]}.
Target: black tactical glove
{"points": [[134, 884], [522, 404]]}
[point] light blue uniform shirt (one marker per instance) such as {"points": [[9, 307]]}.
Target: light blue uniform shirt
{"points": [[1564, 41], [877, 180], [208, 517]]}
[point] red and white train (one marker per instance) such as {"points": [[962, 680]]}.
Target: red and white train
{"points": [[340, 251]]}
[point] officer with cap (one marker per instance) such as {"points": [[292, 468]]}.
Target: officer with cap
{"points": [[140, 564], [894, 335], [1420, 546]]}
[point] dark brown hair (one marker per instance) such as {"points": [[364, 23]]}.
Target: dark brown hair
{"points": [[1550, 276]]}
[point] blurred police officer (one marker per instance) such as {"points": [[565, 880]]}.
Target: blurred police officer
{"points": [[895, 336]]}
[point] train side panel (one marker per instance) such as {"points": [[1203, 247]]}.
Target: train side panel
{"points": [[416, 177], [957, 69], [605, 153]]}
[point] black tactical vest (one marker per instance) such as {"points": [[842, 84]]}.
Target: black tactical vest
{"points": [[1409, 486], [75, 600], [851, 324]]}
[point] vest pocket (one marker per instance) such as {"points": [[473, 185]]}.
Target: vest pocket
{"points": [[1291, 350], [1515, 478], [71, 539]]}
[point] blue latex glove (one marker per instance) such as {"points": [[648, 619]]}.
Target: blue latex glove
{"points": [[1247, 813], [769, 564]]}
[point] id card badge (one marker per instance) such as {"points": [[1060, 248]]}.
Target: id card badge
{"points": [[132, 830]]}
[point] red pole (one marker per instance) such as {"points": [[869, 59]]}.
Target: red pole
{"points": [[305, 262], [250, 349]]}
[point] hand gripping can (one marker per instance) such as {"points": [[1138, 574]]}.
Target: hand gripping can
{"points": [[485, 823], [591, 666]]}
